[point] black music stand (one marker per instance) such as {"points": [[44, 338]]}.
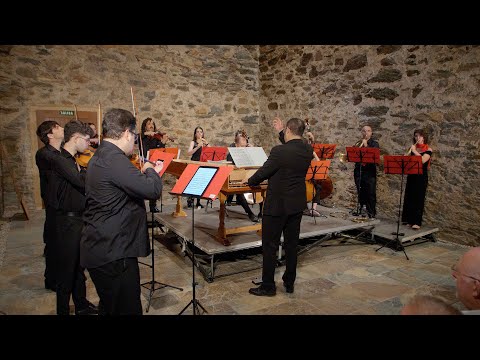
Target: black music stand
{"points": [[362, 155], [152, 284], [317, 170], [398, 164], [324, 151]]}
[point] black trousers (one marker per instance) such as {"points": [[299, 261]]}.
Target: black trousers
{"points": [[272, 229], [70, 275], [49, 236], [118, 286], [367, 192]]}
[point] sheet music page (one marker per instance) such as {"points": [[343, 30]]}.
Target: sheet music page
{"points": [[248, 156]]}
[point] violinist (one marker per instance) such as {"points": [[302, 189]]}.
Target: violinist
{"points": [[152, 139], [68, 184], [115, 221], [195, 149], [94, 139], [51, 134], [241, 140], [416, 188]]}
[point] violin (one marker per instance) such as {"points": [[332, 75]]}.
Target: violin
{"points": [[159, 136], [83, 158]]}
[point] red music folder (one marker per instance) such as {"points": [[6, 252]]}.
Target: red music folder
{"points": [[211, 190], [401, 164], [165, 157]]}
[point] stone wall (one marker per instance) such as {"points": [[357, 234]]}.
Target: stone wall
{"points": [[395, 89], [180, 87]]}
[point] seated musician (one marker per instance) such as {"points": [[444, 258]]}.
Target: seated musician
{"points": [[241, 140], [152, 139]]}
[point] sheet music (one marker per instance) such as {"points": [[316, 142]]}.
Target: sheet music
{"points": [[200, 181], [248, 156]]}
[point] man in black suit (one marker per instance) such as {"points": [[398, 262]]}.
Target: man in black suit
{"points": [[51, 134], [115, 221], [285, 168]]}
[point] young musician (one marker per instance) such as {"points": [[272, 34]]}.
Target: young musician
{"points": [[69, 181], [51, 134], [416, 188], [195, 150]]}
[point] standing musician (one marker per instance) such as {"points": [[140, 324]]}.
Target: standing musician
{"points": [[115, 222], [195, 149], [241, 140], [69, 183], [367, 189], [151, 139], [416, 188], [286, 168], [51, 134]]}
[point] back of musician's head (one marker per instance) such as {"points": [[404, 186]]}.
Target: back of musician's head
{"points": [[116, 121], [46, 128], [76, 127], [428, 305], [420, 132], [296, 126]]}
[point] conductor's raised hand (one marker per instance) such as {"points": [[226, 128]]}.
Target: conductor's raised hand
{"points": [[278, 124]]}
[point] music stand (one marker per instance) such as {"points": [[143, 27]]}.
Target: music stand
{"points": [[362, 155], [398, 164], [202, 182], [317, 171], [213, 153], [324, 151], [166, 155]]}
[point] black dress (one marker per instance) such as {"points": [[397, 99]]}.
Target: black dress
{"points": [[414, 200]]}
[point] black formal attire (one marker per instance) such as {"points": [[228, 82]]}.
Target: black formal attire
{"points": [[240, 198], [367, 185], [69, 183], [42, 159], [115, 227], [283, 207], [195, 157], [414, 199], [149, 142]]}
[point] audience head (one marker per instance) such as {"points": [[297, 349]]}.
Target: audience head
{"points": [[467, 275], [428, 305]]}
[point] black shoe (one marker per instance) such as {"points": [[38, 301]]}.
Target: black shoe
{"points": [[200, 206], [288, 288], [89, 310], [154, 209], [252, 217], [50, 286], [262, 291]]}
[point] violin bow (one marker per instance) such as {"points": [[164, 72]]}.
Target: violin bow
{"points": [[135, 114], [99, 122], [76, 113]]}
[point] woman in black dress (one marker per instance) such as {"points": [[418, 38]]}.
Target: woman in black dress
{"points": [[195, 150], [414, 200]]}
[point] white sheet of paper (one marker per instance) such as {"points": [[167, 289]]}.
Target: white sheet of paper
{"points": [[248, 156]]}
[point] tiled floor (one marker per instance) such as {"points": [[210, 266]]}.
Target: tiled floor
{"points": [[343, 279]]}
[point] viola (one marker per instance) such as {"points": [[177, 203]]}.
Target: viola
{"points": [[159, 136], [83, 158]]}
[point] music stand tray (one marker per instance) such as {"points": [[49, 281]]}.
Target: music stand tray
{"points": [[401, 165]]}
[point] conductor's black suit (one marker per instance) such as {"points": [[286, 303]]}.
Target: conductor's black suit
{"points": [[285, 201]]}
